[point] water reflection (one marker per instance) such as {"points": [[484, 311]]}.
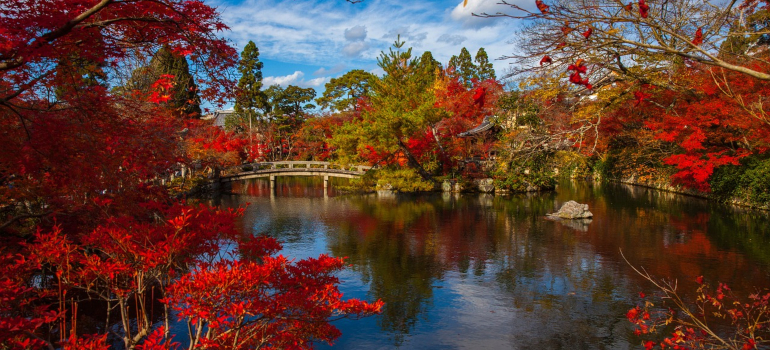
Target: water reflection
{"points": [[480, 271]]}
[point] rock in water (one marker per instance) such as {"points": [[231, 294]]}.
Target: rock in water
{"points": [[572, 210]]}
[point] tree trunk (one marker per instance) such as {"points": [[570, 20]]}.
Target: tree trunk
{"points": [[413, 163]]}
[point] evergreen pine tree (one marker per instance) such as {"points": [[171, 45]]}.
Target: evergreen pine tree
{"points": [[402, 106], [464, 68], [250, 99], [184, 95], [428, 65], [289, 106], [343, 93], [484, 68]]}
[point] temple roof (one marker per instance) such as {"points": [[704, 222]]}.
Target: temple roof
{"points": [[485, 125]]}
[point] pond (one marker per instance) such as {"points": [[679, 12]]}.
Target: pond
{"points": [[478, 271]]}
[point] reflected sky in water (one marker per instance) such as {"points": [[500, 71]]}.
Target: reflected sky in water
{"points": [[476, 271]]}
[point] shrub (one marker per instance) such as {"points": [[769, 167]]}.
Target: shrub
{"points": [[534, 173], [748, 182], [755, 184], [402, 180], [571, 164]]}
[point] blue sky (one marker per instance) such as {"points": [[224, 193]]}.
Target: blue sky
{"points": [[308, 42]]}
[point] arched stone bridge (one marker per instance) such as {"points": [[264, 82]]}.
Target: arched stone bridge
{"points": [[272, 170]]}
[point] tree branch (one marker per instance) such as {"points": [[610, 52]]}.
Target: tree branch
{"points": [[23, 216], [53, 35]]}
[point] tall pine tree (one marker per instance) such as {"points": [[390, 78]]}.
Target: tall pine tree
{"points": [[484, 69], [250, 102], [184, 95], [342, 93], [401, 107], [428, 66], [289, 106], [464, 68]]}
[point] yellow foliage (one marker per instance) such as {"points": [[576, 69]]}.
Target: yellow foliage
{"points": [[543, 88], [441, 82], [607, 99]]}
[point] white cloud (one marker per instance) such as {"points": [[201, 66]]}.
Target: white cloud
{"points": [[285, 80], [451, 39], [407, 34], [317, 82], [339, 33], [465, 14], [357, 33], [296, 79], [355, 48], [418, 38], [331, 71]]}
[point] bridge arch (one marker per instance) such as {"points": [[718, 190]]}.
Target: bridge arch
{"points": [[272, 170]]}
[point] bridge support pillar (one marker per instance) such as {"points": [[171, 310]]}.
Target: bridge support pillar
{"points": [[326, 181], [272, 183]]}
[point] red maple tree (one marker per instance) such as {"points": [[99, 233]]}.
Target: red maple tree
{"points": [[81, 223], [466, 108], [714, 125]]}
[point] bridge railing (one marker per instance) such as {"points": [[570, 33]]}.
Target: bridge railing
{"points": [[253, 167]]}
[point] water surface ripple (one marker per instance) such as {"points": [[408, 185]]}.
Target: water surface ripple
{"points": [[476, 271]]}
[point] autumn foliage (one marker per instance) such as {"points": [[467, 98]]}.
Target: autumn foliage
{"points": [[681, 132], [93, 252], [466, 108], [264, 302], [716, 122], [718, 319], [713, 128]]}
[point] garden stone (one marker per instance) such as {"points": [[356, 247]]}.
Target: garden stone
{"points": [[572, 210]]}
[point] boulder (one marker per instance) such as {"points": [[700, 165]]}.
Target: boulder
{"points": [[572, 210], [446, 186], [485, 185]]}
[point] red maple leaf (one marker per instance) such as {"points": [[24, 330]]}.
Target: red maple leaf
{"points": [[640, 96], [478, 95], [578, 67], [644, 9], [575, 78], [698, 39]]}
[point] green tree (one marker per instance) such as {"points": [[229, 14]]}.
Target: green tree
{"points": [[429, 66], [464, 68], [288, 112], [484, 69], [250, 99], [402, 107], [748, 35], [289, 103], [343, 93], [80, 74], [184, 95]]}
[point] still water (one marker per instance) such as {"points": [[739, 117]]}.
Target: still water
{"points": [[476, 271]]}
